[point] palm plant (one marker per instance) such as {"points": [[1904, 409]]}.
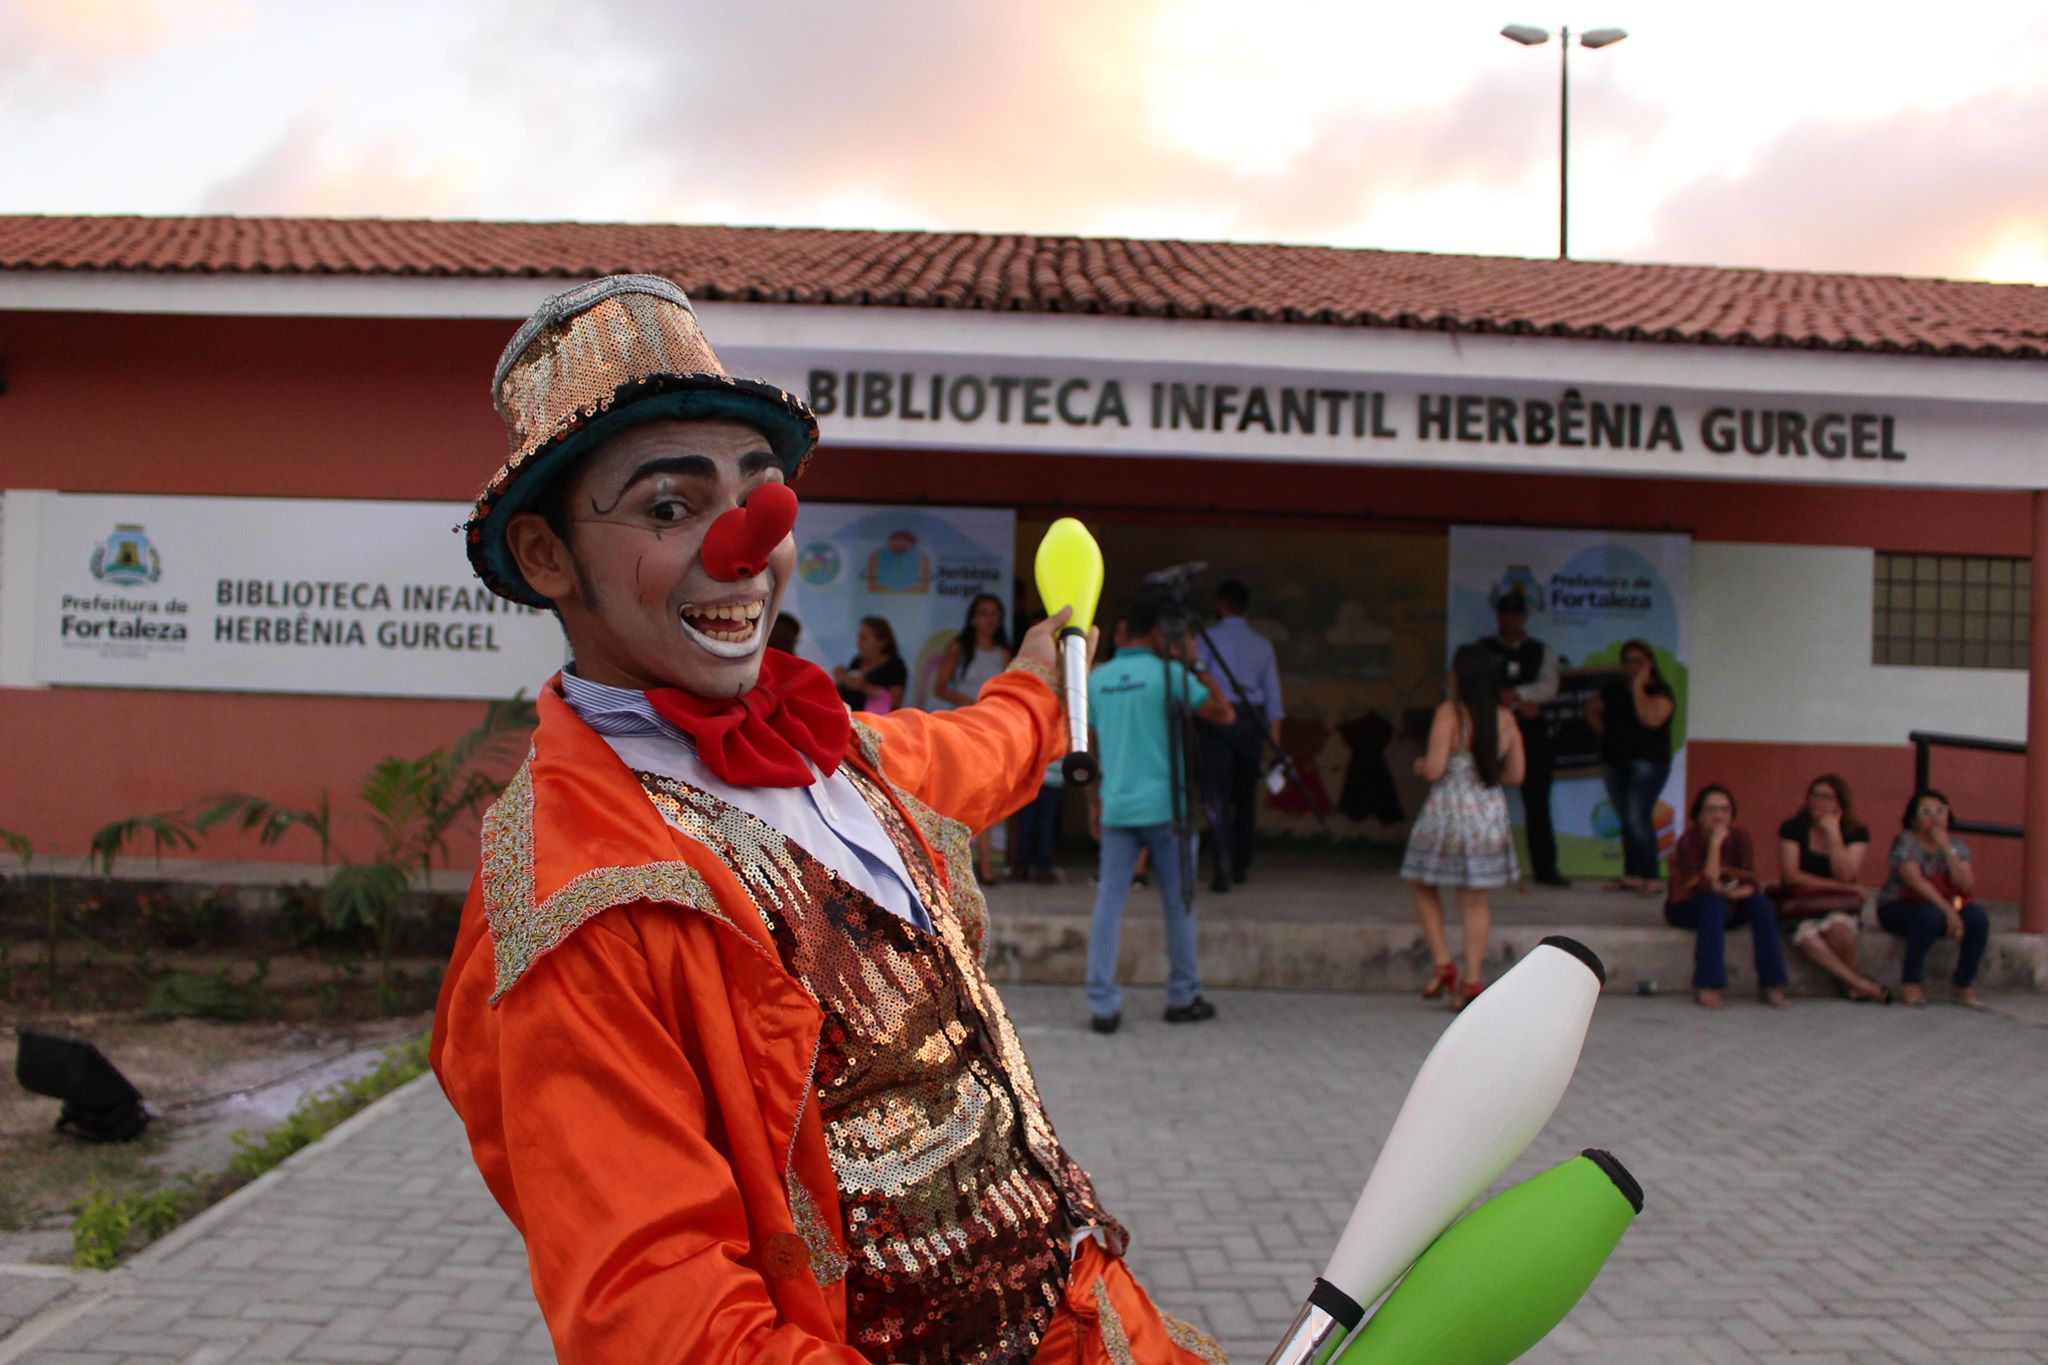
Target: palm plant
{"points": [[165, 829], [412, 804], [456, 782], [270, 821], [53, 923]]}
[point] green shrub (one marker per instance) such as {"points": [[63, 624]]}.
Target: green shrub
{"points": [[319, 1114], [185, 995], [107, 1223]]}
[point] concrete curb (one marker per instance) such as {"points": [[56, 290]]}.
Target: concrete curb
{"points": [[95, 1288], [209, 1218], [1366, 955], [34, 1331]]}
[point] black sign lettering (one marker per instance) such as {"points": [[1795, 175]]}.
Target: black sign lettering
{"points": [[1570, 420]]}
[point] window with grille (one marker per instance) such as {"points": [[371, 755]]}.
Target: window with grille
{"points": [[1950, 611]]}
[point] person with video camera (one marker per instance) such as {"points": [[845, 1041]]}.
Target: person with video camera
{"points": [[1135, 806], [1233, 756]]}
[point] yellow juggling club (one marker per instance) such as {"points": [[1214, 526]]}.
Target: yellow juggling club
{"points": [[1069, 573]]}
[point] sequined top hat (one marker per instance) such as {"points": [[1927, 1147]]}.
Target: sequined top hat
{"points": [[591, 362]]}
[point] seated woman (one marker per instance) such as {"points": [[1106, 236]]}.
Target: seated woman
{"points": [[1927, 898], [1820, 853], [1714, 888]]}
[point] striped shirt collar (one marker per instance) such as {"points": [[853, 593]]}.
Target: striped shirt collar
{"points": [[616, 712]]}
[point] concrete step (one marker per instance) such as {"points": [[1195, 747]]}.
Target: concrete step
{"points": [[1315, 918], [1279, 954], [1342, 919]]}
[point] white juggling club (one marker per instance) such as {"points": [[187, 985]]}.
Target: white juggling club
{"points": [[1483, 1093]]}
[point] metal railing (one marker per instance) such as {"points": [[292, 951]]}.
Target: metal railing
{"points": [[1925, 741]]}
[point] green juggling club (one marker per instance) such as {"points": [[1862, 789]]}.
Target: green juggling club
{"points": [[1502, 1276]]}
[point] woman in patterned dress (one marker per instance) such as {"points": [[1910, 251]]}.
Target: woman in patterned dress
{"points": [[1461, 839]]}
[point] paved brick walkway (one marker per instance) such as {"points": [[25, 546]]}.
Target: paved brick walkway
{"points": [[1835, 1183]]}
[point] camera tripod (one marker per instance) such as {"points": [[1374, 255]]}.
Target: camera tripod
{"points": [[1178, 622]]}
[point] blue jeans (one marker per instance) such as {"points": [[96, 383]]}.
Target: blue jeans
{"points": [[1921, 922], [1632, 789], [1038, 830], [1120, 845], [1712, 917]]}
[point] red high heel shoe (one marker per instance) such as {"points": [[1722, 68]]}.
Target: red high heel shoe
{"points": [[1468, 994], [1446, 979]]}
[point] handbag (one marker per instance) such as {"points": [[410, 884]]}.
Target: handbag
{"points": [[1941, 884], [1815, 904]]}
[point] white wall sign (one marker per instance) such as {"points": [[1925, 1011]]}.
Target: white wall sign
{"points": [[269, 595], [1452, 421]]}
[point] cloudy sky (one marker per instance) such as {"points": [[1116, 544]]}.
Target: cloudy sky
{"points": [[1878, 137]]}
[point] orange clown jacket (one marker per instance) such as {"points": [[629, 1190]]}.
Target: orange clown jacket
{"points": [[631, 1059]]}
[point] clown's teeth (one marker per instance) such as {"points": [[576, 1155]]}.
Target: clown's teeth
{"points": [[732, 611], [729, 630], [723, 645]]}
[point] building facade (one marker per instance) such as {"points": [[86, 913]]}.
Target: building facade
{"points": [[1859, 465]]}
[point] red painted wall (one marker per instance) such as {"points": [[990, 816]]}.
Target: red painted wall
{"points": [[399, 409], [1428, 501], [1770, 782]]}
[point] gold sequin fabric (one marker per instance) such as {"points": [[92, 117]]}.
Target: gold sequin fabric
{"points": [[1043, 672], [523, 930], [588, 351], [1193, 1339], [955, 1230], [571, 370], [1116, 1343], [960, 916]]}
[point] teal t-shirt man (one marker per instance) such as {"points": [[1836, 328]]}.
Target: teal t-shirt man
{"points": [[1132, 806], [1127, 706]]}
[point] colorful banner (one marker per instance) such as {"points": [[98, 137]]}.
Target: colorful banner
{"points": [[916, 567], [1589, 593]]}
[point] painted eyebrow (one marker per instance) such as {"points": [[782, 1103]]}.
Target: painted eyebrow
{"points": [[700, 467], [689, 466]]}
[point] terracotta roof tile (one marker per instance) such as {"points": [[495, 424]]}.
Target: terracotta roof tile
{"points": [[1294, 284]]}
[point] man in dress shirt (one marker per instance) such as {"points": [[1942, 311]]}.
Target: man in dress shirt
{"points": [[1233, 756], [1528, 681]]}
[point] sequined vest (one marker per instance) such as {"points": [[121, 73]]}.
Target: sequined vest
{"points": [[956, 1198]]}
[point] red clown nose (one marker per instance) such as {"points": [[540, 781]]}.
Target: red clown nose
{"points": [[738, 544]]}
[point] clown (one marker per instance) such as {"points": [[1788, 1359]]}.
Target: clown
{"points": [[716, 1021]]}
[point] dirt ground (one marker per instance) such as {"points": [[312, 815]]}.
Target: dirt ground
{"points": [[318, 1023]]}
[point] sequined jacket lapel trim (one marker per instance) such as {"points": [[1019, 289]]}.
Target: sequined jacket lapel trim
{"points": [[536, 895], [523, 927]]}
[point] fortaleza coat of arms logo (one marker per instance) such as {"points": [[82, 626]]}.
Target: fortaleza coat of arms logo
{"points": [[126, 557], [1518, 579]]}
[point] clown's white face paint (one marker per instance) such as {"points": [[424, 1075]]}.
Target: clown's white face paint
{"points": [[640, 608]]}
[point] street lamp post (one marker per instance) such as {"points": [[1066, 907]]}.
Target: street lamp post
{"points": [[1528, 35]]}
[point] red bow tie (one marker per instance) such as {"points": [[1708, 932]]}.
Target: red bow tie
{"points": [[762, 737]]}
